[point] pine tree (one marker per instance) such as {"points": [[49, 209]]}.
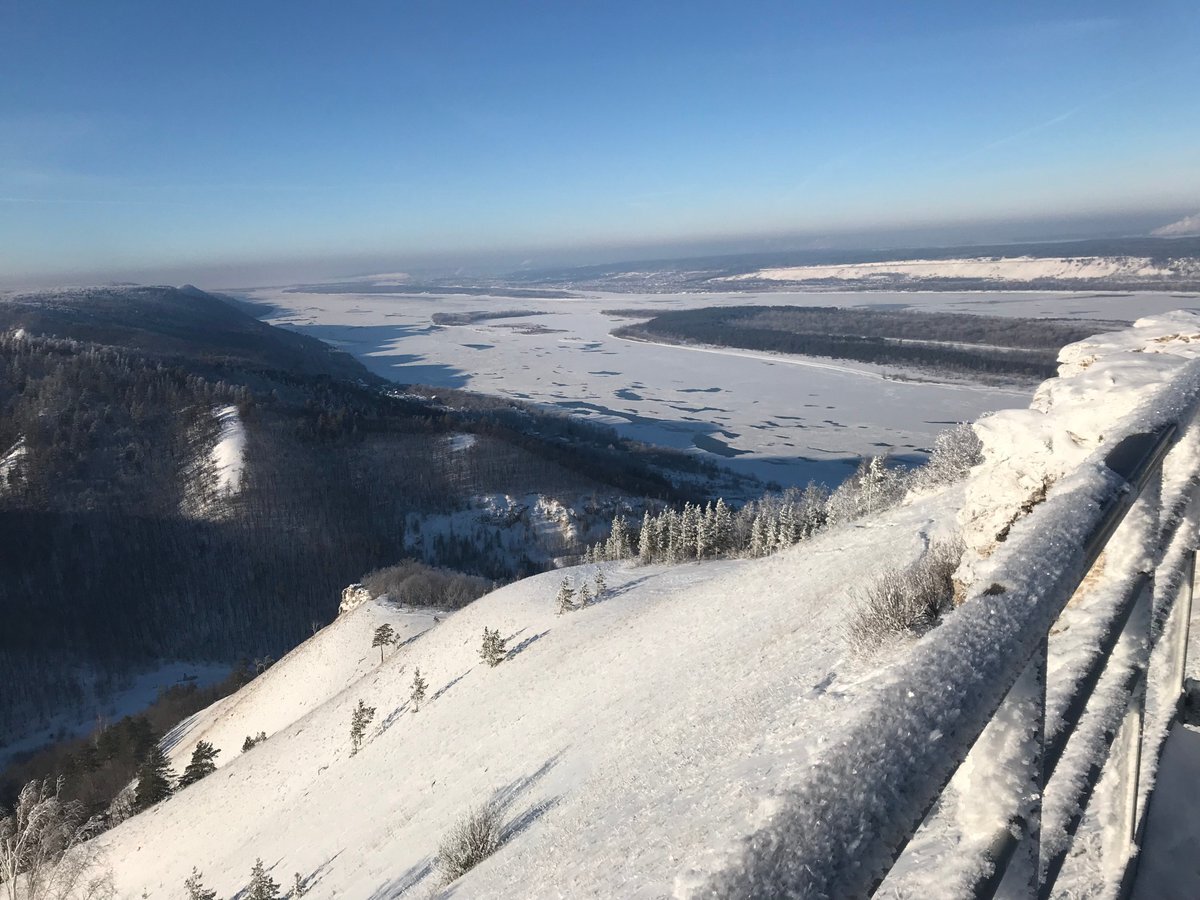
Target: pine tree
{"points": [[154, 779], [196, 889], [202, 764], [704, 532], [789, 525], [618, 539], [299, 888], [585, 596], [760, 542], [359, 720], [384, 636], [722, 528], [566, 597], [646, 540], [601, 586], [418, 690], [687, 533], [812, 508], [262, 886], [494, 648], [251, 742], [670, 535]]}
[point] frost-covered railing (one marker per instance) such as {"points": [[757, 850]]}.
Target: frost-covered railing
{"points": [[983, 673]]}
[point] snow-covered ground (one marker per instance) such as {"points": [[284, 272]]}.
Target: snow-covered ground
{"points": [[626, 742], [1000, 269], [787, 419], [668, 733]]}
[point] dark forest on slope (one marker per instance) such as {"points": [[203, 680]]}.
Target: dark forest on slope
{"points": [[980, 347], [111, 555]]}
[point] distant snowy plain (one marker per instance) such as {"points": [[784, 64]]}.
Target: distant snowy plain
{"points": [[787, 419]]}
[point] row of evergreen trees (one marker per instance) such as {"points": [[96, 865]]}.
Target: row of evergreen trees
{"points": [[261, 887], [761, 527], [156, 778]]}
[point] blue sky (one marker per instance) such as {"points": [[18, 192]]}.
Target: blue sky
{"points": [[162, 137]]}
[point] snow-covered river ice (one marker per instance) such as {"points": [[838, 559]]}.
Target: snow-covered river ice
{"points": [[786, 419]]}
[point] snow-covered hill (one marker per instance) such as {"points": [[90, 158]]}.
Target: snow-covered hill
{"points": [[629, 744], [997, 269]]}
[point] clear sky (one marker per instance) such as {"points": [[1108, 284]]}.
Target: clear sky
{"points": [[164, 135]]}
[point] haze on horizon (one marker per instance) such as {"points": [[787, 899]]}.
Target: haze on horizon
{"points": [[245, 144]]}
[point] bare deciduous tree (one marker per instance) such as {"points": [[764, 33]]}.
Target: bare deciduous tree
{"points": [[44, 853]]}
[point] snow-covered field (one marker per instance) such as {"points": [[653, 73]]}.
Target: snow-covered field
{"points": [[787, 419], [1016, 268], [627, 743]]}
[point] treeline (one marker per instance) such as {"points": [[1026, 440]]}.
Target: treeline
{"points": [[762, 527], [95, 769], [941, 342]]}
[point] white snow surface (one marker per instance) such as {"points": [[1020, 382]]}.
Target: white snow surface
{"points": [[629, 744], [228, 454], [994, 268], [1102, 381], [782, 418], [322, 667], [10, 462]]}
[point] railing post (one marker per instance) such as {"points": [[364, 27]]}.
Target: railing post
{"points": [[1183, 626], [1015, 853], [1023, 878], [1122, 841]]}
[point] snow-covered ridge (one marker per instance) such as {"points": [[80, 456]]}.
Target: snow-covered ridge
{"points": [[1102, 381], [10, 463], [999, 269], [228, 454]]}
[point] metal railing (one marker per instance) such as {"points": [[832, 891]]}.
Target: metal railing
{"points": [[840, 832]]}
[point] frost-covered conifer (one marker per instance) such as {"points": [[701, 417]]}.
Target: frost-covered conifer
{"points": [[201, 764], [618, 539], [812, 509], [195, 887], [359, 720], [262, 886], [760, 538], [566, 597], [722, 527], [419, 685], [705, 524], [494, 648], [299, 888], [789, 523], [585, 596], [600, 585], [688, 521], [385, 636], [646, 540]]}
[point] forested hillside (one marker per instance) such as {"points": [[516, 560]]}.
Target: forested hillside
{"points": [[134, 528], [986, 348]]}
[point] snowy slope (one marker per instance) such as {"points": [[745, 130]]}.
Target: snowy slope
{"points": [[629, 743], [323, 666], [999, 269], [229, 451]]}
